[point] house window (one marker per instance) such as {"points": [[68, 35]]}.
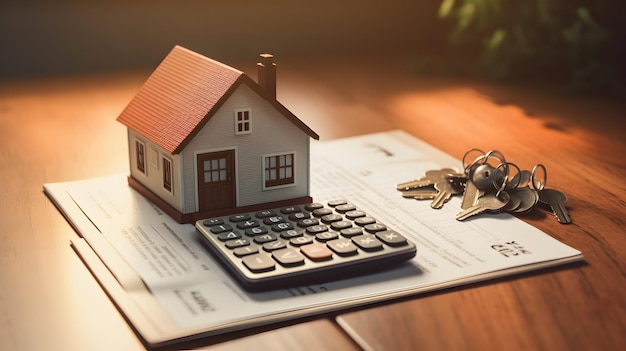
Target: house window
{"points": [[243, 122], [279, 170], [167, 174], [215, 170], [140, 150]]}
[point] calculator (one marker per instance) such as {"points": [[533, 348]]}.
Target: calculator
{"points": [[305, 244]]}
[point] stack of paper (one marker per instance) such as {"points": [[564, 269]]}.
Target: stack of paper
{"points": [[170, 288]]}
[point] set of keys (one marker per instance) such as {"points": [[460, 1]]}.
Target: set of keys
{"points": [[488, 184]]}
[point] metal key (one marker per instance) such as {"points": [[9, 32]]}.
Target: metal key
{"points": [[514, 201], [486, 176], [470, 195], [430, 178], [528, 199], [556, 200], [457, 177], [520, 180], [424, 193], [489, 202], [445, 190], [480, 180]]}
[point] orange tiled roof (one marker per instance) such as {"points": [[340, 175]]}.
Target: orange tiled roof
{"points": [[179, 96]]}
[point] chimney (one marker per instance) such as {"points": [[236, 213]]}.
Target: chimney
{"points": [[267, 75]]}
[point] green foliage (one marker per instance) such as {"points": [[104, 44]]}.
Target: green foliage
{"points": [[561, 39]]}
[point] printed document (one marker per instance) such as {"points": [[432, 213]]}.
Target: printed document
{"points": [[170, 288]]}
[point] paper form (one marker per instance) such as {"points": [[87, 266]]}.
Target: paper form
{"points": [[199, 295]]}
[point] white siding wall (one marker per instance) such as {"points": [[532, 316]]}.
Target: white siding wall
{"points": [[271, 133], [153, 179]]}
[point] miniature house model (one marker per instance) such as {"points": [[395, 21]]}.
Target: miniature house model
{"points": [[206, 140]]}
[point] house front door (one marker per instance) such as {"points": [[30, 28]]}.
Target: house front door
{"points": [[216, 180]]}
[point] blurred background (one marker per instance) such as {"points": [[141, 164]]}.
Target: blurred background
{"points": [[574, 41], [56, 37]]}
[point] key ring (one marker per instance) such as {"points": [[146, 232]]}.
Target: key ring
{"points": [[537, 184], [505, 182], [484, 158], [516, 180], [467, 166], [496, 154]]}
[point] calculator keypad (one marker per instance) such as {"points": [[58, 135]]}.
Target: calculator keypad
{"points": [[296, 245]]}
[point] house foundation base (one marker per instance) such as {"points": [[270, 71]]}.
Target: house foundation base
{"points": [[193, 217]]}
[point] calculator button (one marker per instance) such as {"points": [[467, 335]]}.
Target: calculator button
{"points": [[264, 213], [345, 208], [288, 234], [391, 238], [288, 257], [259, 262], [343, 247], [350, 232], [375, 228], [212, 221], [368, 242], [216, 229], [299, 215], [239, 218], [331, 218], [290, 209], [303, 223], [315, 229], [337, 202], [316, 252], [340, 225], [321, 212], [256, 231], [247, 224], [232, 244], [363, 221], [229, 236], [326, 236], [245, 250], [274, 245], [313, 206], [282, 227], [301, 240], [355, 214], [273, 220], [262, 239]]}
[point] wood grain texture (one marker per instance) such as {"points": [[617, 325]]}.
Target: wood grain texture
{"points": [[580, 141], [61, 129]]}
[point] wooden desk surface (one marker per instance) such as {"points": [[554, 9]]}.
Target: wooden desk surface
{"points": [[65, 129]]}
